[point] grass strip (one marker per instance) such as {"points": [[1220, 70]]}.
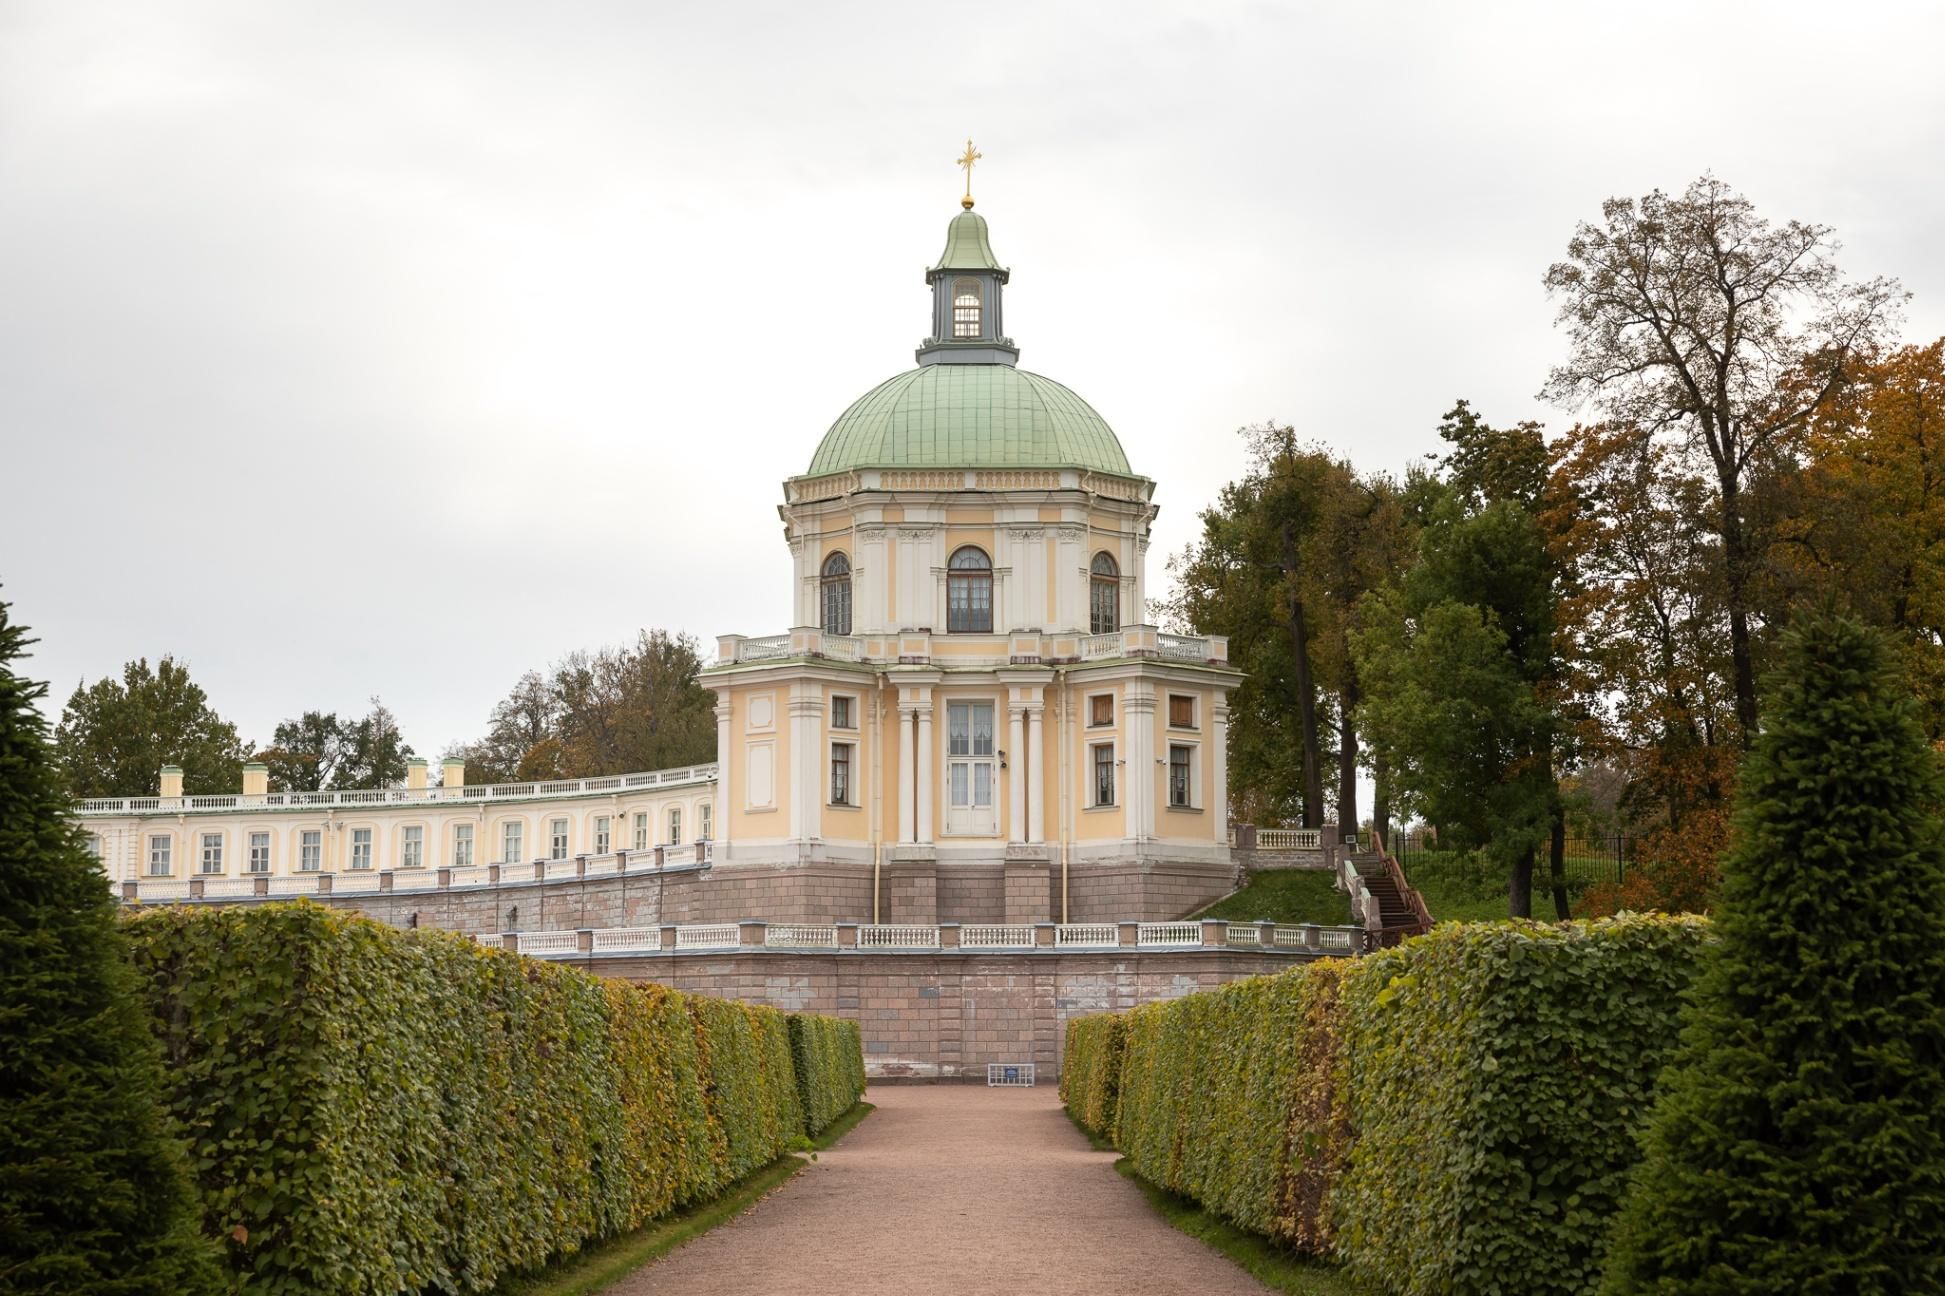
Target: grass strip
{"points": [[606, 1263], [1279, 1270]]}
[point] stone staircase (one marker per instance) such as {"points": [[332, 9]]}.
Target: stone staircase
{"points": [[1400, 910]]}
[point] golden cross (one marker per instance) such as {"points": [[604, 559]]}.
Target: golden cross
{"points": [[971, 156]]}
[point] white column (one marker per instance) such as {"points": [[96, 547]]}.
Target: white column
{"points": [[725, 762], [1016, 781], [1218, 798], [1036, 778], [1141, 760], [907, 718], [925, 769]]}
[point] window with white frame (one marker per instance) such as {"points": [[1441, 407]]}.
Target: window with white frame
{"points": [[844, 712], [705, 827], [462, 846], [675, 826], [1102, 765], [1104, 594], [965, 308], [641, 830], [160, 864], [93, 847], [1181, 776], [259, 852], [969, 592], [601, 834], [557, 839], [310, 850], [360, 848], [411, 847], [212, 859], [841, 784], [510, 843], [835, 585]]}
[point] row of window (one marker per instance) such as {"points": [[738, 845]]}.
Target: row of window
{"points": [[1181, 776], [1181, 710], [969, 593], [310, 844]]}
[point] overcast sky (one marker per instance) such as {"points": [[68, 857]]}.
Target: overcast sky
{"points": [[391, 348]]}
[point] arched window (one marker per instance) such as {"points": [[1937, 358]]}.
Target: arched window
{"points": [[837, 595], [1104, 595], [965, 308], [969, 592]]}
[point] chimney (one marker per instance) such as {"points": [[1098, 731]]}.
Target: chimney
{"points": [[454, 771], [256, 778], [171, 781], [415, 772]]}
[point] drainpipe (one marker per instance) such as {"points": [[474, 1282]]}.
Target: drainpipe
{"points": [[1062, 737]]}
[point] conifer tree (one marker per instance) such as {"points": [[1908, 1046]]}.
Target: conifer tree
{"points": [[1798, 1139], [94, 1192]]}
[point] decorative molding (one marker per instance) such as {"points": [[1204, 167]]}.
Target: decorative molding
{"points": [[1016, 479], [916, 534], [922, 480], [1072, 534], [1027, 534]]}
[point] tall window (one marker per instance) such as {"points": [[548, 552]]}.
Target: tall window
{"points": [[557, 839], [259, 852], [1104, 774], [510, 843], [1104, 595], [1178, 774], [94, 847], [462, 846], [601, 834], [361, 848], [159, 863], [965, 308], [704, 814], [310, 850], [841, 774], [969, 592], [212, 853], [411, 847], [641, 830], [841, 716], [837, 595], [675, 826]]}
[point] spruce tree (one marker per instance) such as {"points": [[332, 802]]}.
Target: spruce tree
{"points": [[95, 1195], [1798, 1138]]}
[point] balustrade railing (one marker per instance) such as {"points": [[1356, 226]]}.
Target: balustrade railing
{"points": [[708, 936], [361, 797], [627, 940], [996, 936], [1243, 934], [1183, 647], [1069, 934], [798, 936], [415, 879], [897, 936], [1176, 933], [548, 944], [766, 648], [1306, 839]]}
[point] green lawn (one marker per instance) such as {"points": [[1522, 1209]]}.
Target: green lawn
{"points": [[1459, 889], [1286, 896]]}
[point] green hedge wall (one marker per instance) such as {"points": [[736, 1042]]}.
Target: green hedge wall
{"points": [[829, 1057], [1457, 1114], [371, 1111]]}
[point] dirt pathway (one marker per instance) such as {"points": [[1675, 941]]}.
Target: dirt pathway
{"points": [[950, 1188]]}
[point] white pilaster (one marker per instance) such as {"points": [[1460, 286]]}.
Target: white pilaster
{"points": [[925, 768], [1036, 781], [907, 721], [1218, 798], [1141, 759], [807, 792], [725, 762], [1016, 783]]}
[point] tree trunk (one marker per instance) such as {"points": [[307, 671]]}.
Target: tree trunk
{"points": [[1557, 862], [1519, 892], [1347, 698], [1313, 782], [1735, 558], [1381, 799]]}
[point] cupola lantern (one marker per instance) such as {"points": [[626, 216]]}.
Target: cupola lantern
{"points": [[966, 285]]}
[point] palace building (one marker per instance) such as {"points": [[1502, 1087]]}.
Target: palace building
{"points": [[970, 718]]}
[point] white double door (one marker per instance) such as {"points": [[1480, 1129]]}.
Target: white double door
{"points": [[970, 770]]}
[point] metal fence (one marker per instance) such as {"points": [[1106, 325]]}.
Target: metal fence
{"points": [[1595, 858]]}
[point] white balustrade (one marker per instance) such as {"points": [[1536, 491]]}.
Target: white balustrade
{"points": [[1087, 934], [798, 936], [470, 875], [1101, 646], [491, 940], [1308, 839], [1183, 647], [237, 886], [844, 648], [996, 936], [1244, 934], [549, 944], [300, 884], [1336, 938], [415, 879], [1175, 933], [897, 936], [708, 936], [358, 880], [627, 940], [555, 870], [686, 774], [1287, 937], [603, 865], [767, 648]]}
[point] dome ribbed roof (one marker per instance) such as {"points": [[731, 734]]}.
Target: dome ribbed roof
{"points": [[969, 416]]}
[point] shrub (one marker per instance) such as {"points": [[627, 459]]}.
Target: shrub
{"points": [[95, 1194], [828, 1054], [375, 1112], [1798, 1143], [1496, 1077], [1090, 1070]]}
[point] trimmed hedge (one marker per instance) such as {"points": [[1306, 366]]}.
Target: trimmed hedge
{"points": [[1455, 1114], [371, 1111], [829, 1057]]}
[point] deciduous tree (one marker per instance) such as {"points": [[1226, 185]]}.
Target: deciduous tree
{"points": [[116, 735]]}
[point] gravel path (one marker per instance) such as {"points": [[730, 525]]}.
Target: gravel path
{"points": [[950, 1188]]}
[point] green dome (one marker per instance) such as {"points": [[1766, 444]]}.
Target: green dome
{"points": [[969, 416]]}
